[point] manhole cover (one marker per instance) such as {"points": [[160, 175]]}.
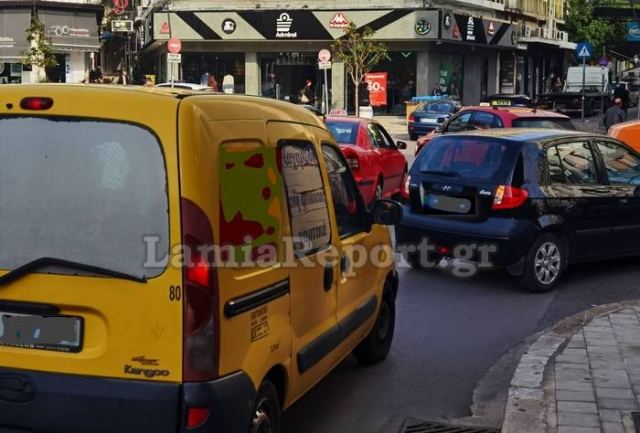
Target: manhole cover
{"points": [[437, 427]]}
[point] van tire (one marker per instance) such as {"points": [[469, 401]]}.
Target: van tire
{"points": [[267, 415], [550, 248], [376, 346]]}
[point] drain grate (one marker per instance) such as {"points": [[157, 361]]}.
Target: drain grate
{"points": [[436, 427]]}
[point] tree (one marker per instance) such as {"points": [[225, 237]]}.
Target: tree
{"points": [[583, 24], [40, 54], [360, 54]]}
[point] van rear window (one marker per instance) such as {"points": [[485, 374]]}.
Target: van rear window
{"points": [[82, 190], [468, 157]]}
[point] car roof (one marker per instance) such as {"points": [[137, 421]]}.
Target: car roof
{"points": [[348, 119], [518, 112], [521, 135]]}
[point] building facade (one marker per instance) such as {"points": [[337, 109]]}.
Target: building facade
{"points": [[270, 48], [72, 27]]}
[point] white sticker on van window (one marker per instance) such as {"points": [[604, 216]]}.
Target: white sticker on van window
{"points": [[306, 197], [115, 166]]}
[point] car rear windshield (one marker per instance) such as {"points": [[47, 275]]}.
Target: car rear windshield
{"points": [[481, 158], [437, 107], [542, 122], [82, 190], [344, 132]]}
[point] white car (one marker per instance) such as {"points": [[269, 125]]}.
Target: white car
{"points": [[187, 86]]}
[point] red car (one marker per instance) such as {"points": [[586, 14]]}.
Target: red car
{"points": [[374, 157], [469, 118]]}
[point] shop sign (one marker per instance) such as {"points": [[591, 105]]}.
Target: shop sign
{"points": [[476, 30], [174, 58], [228, 26], [283, 27], [446, 21], [324, 65], [491, 29], [423, 26], [339, 21], [377, 86], [633, 31], [165, 29]]}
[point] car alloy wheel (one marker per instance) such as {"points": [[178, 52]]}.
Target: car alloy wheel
{"points": [[547, 263]]}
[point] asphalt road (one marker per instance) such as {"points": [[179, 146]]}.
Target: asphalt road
{"points": [[455, 338]]}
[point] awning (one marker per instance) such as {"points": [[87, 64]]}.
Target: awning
{"points": [[13, 34], [71, 31]]}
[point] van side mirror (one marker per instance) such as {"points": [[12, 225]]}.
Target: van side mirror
{"points": [[387, 212], [401, 145]]}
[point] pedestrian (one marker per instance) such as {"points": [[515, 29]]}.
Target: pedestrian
{"points": [[204, 79], [211, 82], [622, 93], [437, 90], [123, 78], [615, 114], [305, 96], [557, 85]]}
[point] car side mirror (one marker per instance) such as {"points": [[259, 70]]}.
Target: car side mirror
{"points": [[440, 129], [441, 120], [387, 212], [401, 145]]}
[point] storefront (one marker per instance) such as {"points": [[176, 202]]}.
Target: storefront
{"points": [[13, 43], [274, 53]]}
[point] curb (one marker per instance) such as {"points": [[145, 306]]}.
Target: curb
{"points": [[532, 388]]}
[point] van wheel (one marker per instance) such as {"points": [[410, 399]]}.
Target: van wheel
{"points": [[544, 264], [267, 416], [375, 347]]}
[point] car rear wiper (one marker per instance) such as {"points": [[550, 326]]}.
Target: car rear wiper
{"points": [[51, 261], [441, 173]]}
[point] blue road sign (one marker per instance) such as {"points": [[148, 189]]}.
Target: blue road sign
{"points": [[584, 50]]}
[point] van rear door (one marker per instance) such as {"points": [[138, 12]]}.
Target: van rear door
{"points": [[90, 310]]}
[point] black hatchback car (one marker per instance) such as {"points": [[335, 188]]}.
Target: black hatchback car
{"points": [[535, 200]]}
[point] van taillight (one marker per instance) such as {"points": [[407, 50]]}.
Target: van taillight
{"points": [[509, 197], [412, 117], [36, 103], [200, 302], [405, 188]]}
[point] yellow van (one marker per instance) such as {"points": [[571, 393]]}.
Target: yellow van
{"points": [[174, 262]]}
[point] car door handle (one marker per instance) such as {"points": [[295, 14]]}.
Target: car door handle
{"points": [[344, 264], [328, 278]]}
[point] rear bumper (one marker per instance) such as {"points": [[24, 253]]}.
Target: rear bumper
{"points": [[421, 128], [39, 402], [510, 237]]}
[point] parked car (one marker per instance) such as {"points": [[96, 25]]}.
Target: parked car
{"points": [[374, 157], [628, 133], [472, 118], [429, 115], [543, 198], [106, 326], [186, 86], [508, 100]]}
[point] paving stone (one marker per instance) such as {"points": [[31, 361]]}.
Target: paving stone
{"points": [[576, 342], [608, 341], [560, 366], [617, 403], [566, 429], [609, 373], [615, 393], [567, 375], [574, 359], [601, 363], [577, 406], [562, 395], [612, 383], [602, 349], [610, 427], [575, 419], [573, 385], [610, 415]]}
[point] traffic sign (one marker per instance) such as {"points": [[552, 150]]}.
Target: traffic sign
{"points": [[324, 56], [604, 62], [324, 65], [174, 45], [584, 50], [174, 58]]}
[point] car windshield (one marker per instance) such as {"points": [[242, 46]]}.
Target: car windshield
{"points": [[542, 122], [344, 132], [81, 190], [437, 107], [480, 158]]}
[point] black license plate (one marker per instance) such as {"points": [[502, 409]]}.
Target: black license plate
{"points": [[57, 333], [445, 203]]}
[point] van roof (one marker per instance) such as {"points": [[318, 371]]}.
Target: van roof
{"points": [[267, 109]]}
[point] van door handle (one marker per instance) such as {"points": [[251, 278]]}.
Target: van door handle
{"points": [[328, 278], [344, 264]]}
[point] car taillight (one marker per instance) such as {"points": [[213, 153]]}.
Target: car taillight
{"points": [[509, 197], [412, 118], [405, 188], [196, 416], [353, 162], [36, 103], [200, 296]]}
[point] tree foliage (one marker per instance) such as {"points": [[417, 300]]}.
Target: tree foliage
{"points": [[360, 54], [583, 25], [40, 54]]}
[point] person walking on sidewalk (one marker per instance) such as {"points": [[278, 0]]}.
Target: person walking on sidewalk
{"points": [[615, 114]]}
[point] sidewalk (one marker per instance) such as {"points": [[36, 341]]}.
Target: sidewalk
{"points": [[582, 376]]}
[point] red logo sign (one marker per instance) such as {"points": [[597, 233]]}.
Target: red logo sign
{"points": [[119, 6], [491, 30], [174, 45], [377, 86], [165, 30], [456, 31], [339, 21]]}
